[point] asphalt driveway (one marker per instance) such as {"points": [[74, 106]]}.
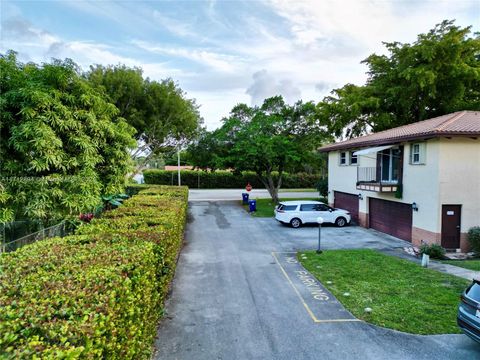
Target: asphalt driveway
{"points": [[238, 294]]}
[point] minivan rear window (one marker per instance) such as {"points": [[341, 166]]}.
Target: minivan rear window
{"points": [[474, 292]]}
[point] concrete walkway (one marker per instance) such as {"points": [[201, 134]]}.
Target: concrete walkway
{"points": [[436, 265]]}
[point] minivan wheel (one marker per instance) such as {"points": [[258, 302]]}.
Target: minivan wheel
{"points": [[341, 222], [295, 223]]}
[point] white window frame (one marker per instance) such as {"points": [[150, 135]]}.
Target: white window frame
{"points": [[344, 163], [351, 157], [390, 179], [417, 149]]}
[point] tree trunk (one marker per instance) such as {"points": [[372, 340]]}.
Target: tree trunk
{"points": [[269, 184]]}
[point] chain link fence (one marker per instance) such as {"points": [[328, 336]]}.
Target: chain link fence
{"points": [[15, 234]]}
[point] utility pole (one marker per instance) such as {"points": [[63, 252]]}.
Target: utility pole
{"points": [[179, 179]]}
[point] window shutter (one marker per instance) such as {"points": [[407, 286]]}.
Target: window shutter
{"points": [[423, 153], [411, 153], [379, 167], [400, 164]]}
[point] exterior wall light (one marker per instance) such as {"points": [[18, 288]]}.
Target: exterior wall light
{"points": [[414, 206], [360, 196]]}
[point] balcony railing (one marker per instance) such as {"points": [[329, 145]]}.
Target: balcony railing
{"points": [[366, 174], [367, 179]]}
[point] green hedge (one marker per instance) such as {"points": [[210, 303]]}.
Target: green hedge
{"points": [[225, 179], [98, 293], [473, 237]]}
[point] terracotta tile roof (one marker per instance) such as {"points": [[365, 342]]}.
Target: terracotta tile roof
{"points": [[461, 123]]}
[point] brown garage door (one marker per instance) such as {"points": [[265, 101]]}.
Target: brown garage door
{"points": [[347, 202], [391, 217]]}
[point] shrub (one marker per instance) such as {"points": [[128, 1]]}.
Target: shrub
{"points": [[473, 237], [225, 179], [435, 251], [322, 187], [98, 293]]}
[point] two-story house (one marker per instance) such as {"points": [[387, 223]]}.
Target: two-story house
{"points": [[418, 182]]}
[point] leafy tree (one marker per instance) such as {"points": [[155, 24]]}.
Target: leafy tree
{"points": [[125, 88], [436, 75], [269, 139], [171, 158], [62, 144], [206, 152], [160, 111], [313, 162]]}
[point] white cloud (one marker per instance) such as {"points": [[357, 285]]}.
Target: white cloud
{"points": [[217, 61], [366, 24], [265, 85], [216, 105], [38, 45], [255, 49], [177, 28], [323, 86], [87, 53]]}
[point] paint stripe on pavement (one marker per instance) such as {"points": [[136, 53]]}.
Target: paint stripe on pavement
{"points": [[319, 303]]}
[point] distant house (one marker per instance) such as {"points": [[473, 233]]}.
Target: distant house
{"points": [[175, 167], [419, 182]]}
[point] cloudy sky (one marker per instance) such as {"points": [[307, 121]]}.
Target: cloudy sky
{"points": [[226, 52]]}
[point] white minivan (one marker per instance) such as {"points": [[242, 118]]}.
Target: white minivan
{"points": [[301, 212]]}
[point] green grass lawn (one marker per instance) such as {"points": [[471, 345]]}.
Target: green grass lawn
{"points": [[467, 264], [265, 207], [402, 295]]}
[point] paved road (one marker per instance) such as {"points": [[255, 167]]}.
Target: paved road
{"points": [[236, 194], [233, 299]]}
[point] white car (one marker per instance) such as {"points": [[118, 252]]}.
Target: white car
{"points": [[301, 212]]}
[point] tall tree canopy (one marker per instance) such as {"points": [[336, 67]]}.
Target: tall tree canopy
{"points": [[436, 75], [270, 138], [206, 151], [160, 111], [62, 144]]}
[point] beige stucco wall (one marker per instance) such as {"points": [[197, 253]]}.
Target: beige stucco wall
{"points": [[340, 177], [459, 178], [419, 184], [450, 175]]}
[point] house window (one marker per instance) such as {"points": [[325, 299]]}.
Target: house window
{"points": [[353, 159], [390, 160], [343, 158], [417, 154]]}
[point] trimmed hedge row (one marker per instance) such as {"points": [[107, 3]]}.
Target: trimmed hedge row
{"points": [[98, 293], [226, 179]]}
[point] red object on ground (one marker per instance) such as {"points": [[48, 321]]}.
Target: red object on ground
{"points": [[248, 187], [86, 217]]}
